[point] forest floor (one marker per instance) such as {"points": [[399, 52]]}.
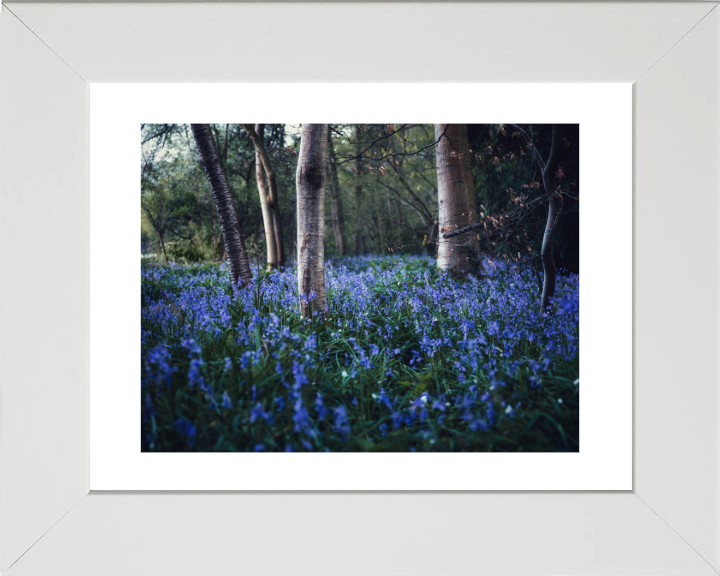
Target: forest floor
{"points": [[405, 359]]}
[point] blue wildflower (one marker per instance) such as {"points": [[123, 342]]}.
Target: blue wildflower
{"points": [[187, 428]]}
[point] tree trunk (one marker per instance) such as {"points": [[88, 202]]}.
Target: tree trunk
{"points": [[549, 171], [393, 230], [311, 175], [162, 244], [472, 209], [358, 197], [229, 223], [336, 206], [267, 213], [261, 157], [460, 254], [380, 228], [554, 209], [227, 126], [432, 242]]}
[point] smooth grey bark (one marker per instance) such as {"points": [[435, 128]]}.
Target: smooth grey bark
{"points": [[261, 157], [220, 188], [469, 184], [310, 180], [267, 214], [549, 171], [456, 200], [336, 207]]}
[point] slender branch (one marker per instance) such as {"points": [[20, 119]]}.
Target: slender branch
{"points": [[425, 216], [167, 128], [428, 215], [392, 154], [532, 204]]}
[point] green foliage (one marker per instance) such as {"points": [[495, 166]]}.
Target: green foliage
{"points": [[187, 252], [388, 189]]}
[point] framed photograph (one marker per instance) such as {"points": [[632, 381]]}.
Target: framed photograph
{"points": [[332, 382], [129, 415]]}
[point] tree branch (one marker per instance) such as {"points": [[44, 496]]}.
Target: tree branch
{"points": [[532, 204], [392, 154], [428, 217]]}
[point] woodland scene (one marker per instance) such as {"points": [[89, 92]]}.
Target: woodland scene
{"points": [[360, 287]]}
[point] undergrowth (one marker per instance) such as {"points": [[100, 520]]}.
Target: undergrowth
{"points": [[405, 359]]}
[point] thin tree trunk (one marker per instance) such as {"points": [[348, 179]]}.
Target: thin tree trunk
{"points": [[401, 220], [229, 223], [267, 214], [392, 232], [334, 213], [336, 202], [358, 196], [549, 170], [381, 228], [311, 176], [554, 208], [272, 191], [162, 244], [455, 188], [159, 229], [432, 243], [274, 204]]}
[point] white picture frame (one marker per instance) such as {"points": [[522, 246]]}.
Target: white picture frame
{"points": [[49, 523]]}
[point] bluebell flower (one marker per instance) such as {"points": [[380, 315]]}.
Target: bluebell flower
{"points": [[149, 411], [160, 357], [322, 411], [384, 398], [187, 428], [301, 417], [488, 330], [342, 424], [194, 376], [258, 413], [298, 371]]}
